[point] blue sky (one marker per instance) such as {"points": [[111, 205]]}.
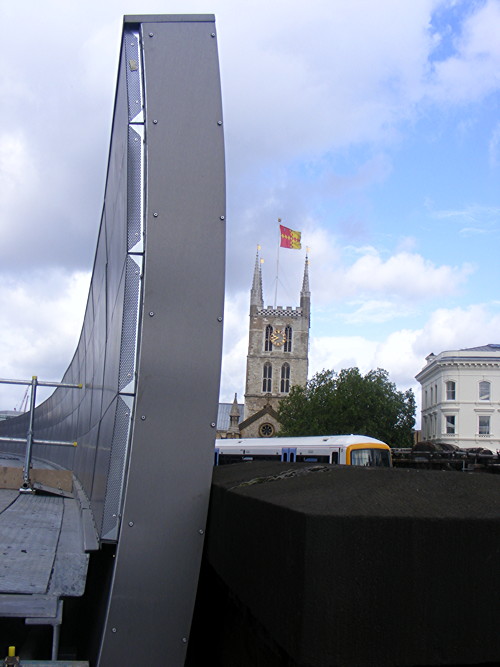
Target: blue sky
{"points": [[373, 128]]}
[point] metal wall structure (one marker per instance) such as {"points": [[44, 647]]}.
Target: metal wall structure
{"points": [[150, 349]]}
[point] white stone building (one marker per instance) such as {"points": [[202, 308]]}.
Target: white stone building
{"points": [[461, 397]]}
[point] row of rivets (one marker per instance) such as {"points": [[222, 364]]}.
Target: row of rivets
{"points": [[155, 122]]}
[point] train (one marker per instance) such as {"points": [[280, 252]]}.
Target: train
{"points": [[356, 450]]}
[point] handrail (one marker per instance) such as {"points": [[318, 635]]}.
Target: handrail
{"points": [[27, 486]]}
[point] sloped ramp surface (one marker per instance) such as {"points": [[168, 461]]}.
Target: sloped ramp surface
{"points": [[42, 557], [30, 528]]}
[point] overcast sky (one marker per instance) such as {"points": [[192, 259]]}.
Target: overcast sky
{"points": [[371, 127]]}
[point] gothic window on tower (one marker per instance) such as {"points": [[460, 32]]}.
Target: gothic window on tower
{"points": [[268, 346], [288, 339], [285, 378], [267, 378]]}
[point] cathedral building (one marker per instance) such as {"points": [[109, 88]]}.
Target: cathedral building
{"points": [[277, 358]]}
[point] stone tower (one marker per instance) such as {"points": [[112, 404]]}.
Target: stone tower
{"points": [[277, 355]]}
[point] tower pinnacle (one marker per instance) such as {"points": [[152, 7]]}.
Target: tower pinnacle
{"points": [[305, 292], [256, 296]]}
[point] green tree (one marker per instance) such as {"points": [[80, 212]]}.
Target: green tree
{"points": [[348, 402]]}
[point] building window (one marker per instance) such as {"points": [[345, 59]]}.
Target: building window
{"points": [[285, 378], [432, 396], [267, 378], [450, 423], [266, 430], [425, 399], [268, 346], [288, 339], [484, 391], [484, 425], [451, 391]]}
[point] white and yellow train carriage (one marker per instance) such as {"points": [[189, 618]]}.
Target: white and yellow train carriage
{"points": [[355, 450]]}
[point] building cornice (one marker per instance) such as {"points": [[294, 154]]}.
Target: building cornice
{"points": [[454, 362]]}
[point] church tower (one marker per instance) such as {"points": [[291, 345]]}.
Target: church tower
{"points": [[277, 357]]}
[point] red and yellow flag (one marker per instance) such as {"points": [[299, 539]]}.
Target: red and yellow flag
{"points": [[290, 238]]}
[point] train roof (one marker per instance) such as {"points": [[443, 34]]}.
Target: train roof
{"points": [[311, 441]]}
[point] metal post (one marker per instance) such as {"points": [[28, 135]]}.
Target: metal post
{"points": [[26, 487], [34, 383]]}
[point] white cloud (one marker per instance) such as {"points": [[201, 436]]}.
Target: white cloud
{"points": [[472, 219], [40, 323], [16, 163], [474, 71], [404, 275], [235, 346], [376, 311]]}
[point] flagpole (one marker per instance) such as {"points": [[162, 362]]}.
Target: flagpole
{"points": [[277, 265]]}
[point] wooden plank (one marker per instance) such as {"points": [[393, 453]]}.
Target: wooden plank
{"points": [[22, 606], [12, 478]]}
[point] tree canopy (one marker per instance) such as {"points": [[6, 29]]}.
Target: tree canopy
{"points": [[348, 402]]}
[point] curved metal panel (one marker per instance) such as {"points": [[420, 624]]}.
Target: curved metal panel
{"points": [[150, 349], [162, 528]]}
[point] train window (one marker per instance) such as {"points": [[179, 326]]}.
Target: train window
{"points": [[371, 457], [225, 459], [310, 458], [335, 457]]}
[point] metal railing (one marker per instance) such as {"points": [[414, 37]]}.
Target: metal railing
{"points": [[27, 486]]}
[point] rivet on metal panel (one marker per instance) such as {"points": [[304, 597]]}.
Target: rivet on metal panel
{"points": [[155, 122], [131, 523], [155, 214], [201, 531], [151, 313], [184, 640], [212, 424], [113, 629], [127, 414], [143, 418], [219, 122], [213, 34], [219, 319], [223, 217], [151, 34]]}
